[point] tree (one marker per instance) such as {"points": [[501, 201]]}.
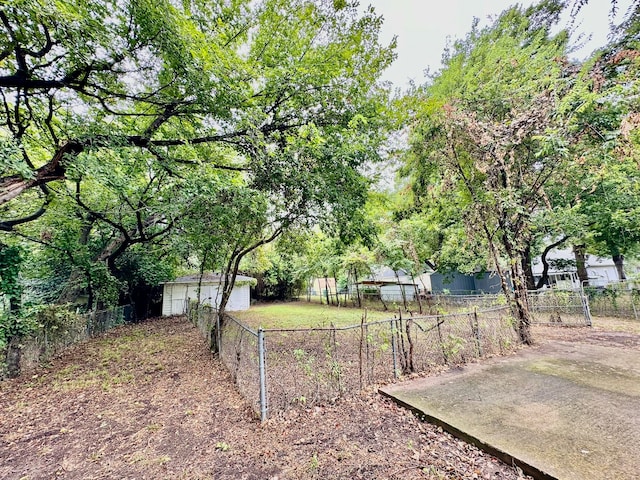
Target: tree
{"points": [[111, 109], [593, 206], [488, 137], [11, 329]]}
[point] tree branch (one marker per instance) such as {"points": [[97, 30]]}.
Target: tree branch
{"points": [[8, 225], [543, 257]]}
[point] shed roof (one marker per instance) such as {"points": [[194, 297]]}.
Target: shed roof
{"points": [[209, 278]]}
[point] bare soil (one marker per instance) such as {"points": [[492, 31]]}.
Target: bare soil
{"points": [[608, 331], [149, 401]]}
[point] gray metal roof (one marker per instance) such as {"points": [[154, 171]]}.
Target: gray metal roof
{"points": [[208, 278]]}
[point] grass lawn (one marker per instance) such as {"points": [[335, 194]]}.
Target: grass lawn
{"points": [[613, 324], [305, 315]]}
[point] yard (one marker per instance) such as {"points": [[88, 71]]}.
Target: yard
{"points": [[149, 401], [306, 315]]}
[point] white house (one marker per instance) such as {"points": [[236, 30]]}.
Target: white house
{"points": [[176, 294], [563, 273]]}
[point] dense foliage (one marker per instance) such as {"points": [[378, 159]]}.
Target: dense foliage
{"points": [[140, 140]]}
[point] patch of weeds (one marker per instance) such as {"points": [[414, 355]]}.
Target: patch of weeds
{"points": [[12, 437], [93, 378], [222, 446], [121, 378], [45, 450], [154, 427], [110, 356], [314, 463], [163, 460], [433, 472], [135, 457], [67, 371], [95, 457]]}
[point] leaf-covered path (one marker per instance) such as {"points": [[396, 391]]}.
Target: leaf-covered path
{"points": [[148, 401]]}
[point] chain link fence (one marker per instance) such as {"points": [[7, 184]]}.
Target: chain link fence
{"points": [[448, 302], [284, 368], [53, 337], [279, 369], [547, 307], [614, 302], [559, 307], [239, 349]]}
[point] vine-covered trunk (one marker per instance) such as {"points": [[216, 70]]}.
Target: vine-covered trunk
{"points": [[516, 294], [520, 299], [527, 268], [523, 314]]}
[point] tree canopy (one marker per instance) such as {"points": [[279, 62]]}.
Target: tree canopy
{"points": [[139, 138]]}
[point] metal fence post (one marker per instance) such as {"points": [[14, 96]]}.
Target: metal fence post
{"points": [[263, 376], [393, 351], [586, 310], [475, 328]]}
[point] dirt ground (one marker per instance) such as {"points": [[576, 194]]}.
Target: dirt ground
{"points": [[148, 401]]}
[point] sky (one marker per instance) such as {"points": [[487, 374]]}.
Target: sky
{"points": [[422, 28]]}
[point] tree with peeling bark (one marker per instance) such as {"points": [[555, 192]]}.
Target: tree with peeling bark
{"points": [[488, 139]]}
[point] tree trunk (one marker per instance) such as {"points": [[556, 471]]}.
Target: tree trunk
{"points": [[579, 251], [355, 282], [230, 274], [402, 292], [14, 355], [518, 296], [416, 291], [527, 268], [227, 286], [326, 289], [14, 185], [523, 314], [618, 260], [382, 299], [544, 278]]}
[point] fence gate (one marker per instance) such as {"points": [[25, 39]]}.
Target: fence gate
{"points": [[559, 307]]}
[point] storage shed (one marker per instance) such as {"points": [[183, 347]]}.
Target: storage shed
{"points": [[176, 294]]}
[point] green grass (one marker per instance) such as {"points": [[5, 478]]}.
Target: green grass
{"points": [[305, 315]]}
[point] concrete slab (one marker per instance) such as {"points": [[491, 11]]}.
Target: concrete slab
{"points": [[563, 410]]}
